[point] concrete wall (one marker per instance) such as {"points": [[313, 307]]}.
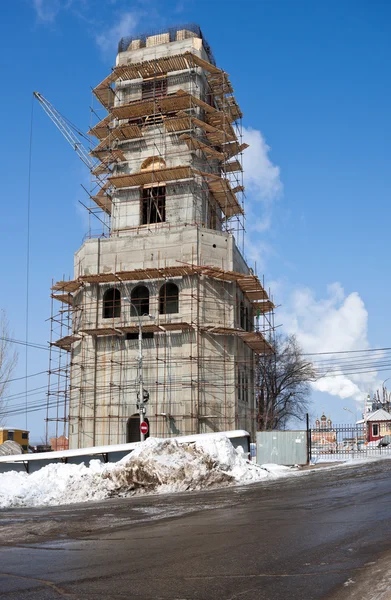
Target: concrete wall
{"points": [[193, 45], [195, 378], [188, 375], [155, 246]]}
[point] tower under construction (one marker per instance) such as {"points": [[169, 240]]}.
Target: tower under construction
{"points": [[167, 190]]}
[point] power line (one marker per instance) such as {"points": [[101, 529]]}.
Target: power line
{"points": [[23, 394], [345, 351], [354, 373], [26, 376], [24, 343]]}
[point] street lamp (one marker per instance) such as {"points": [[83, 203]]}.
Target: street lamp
{"points": [[354, 415], [141, 407]]}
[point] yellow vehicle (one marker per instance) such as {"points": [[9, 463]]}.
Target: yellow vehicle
{"points": [[16, 435]]}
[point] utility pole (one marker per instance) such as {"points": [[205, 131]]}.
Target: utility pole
{"points": [[141, 398], [141, 407]]}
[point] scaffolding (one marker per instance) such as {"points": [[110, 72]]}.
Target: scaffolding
{"points": [[183, 107]]}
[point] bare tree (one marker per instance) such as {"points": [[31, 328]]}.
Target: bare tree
{"points": [[8, 360], [283, 384]]}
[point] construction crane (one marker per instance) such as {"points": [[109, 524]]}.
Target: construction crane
{"points": [[68, 130], [72, 134]]}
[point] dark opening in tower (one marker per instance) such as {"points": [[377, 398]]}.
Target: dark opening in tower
{"points": [[153, 205]]}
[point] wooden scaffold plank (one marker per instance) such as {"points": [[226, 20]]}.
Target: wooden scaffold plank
{"points": [[231, 167], [65, 343], [195, 144], [66, 286], [222, 192], [101, 129], [151, 177], [263, 307], [65, 298]]}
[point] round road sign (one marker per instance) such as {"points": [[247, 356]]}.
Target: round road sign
{"points": [[144, 427]]}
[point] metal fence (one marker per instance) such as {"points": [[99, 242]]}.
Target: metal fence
{"points": [[344, 442], [282, 447]]}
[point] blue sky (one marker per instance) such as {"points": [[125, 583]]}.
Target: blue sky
{"points": [[312, 79]]}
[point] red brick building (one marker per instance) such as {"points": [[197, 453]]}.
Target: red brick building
{"points": [[60, 443]]}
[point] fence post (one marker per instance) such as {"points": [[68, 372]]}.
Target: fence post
{"points": [[308, 439]]}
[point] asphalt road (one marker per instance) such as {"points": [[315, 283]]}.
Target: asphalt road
{"points": [[324, 534]]}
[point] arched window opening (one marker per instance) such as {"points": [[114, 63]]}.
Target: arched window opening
{"points": [[133, 429], [140, 301], [169, 299], [112, 304], [152, 163]]}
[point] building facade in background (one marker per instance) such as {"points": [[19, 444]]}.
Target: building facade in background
{"points": [[324, 435], [168, 189], [19, 436]]}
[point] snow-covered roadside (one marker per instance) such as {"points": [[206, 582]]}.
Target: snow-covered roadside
{"points": [[154, 467], [371, 454], [157, 466]]}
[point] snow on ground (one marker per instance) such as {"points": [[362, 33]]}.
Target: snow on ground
{"points": [[367, 453], [156, 466]]}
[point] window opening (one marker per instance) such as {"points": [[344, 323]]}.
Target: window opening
{"points": [[212, 216], [155, 88], [148, 335], [245, 385], [250, 319], [112, 304], [242, 316], [140, 301], [375, 429], [153, 205], [169, 299]]}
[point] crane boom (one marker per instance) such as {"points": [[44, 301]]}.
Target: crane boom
{"points": [[67, 131]]}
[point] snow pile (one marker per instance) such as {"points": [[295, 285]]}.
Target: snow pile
{"points": [[54, 484], [156, 466], [171, 466]]}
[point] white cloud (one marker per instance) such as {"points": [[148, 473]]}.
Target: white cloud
{"points": [[47, 10], [125, 25], [257, 251], [335, 323], [262, 177], [263, 187]]}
